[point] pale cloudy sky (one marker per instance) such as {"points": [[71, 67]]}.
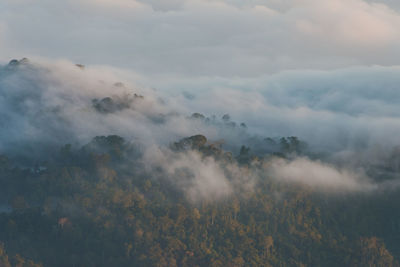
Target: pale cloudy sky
{"points": [[214, 38]]}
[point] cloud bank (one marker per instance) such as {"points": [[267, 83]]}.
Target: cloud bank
{"points": [[339, 110], [223, 38]]}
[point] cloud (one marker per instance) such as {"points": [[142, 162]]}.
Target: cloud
{"points": [[198, 178], [2, 32], [5, 47], [391, 3], [348, 109], [111, 7], [336, 110], [319, 175], [168, 5], [207, 38], [348, 23], [54, 103]]}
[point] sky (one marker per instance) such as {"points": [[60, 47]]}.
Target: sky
{"points": [[204, 38]]}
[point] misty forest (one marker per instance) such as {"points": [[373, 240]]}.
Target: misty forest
{"points": [[98, 172]]}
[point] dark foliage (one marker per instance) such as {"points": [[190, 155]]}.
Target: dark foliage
{"points": [[97, 206]]}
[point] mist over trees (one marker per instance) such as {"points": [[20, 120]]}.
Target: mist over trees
{"points": [[95, 173], [97, 205]]}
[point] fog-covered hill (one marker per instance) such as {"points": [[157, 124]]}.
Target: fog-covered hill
{"points": [[98, 171]]}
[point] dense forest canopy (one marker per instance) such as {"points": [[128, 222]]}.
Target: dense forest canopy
{"points": [[115, 176]]}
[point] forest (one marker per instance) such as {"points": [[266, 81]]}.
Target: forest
{"points": [[97, 205]]}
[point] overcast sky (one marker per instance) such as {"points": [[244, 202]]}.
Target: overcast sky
{"points": [[213, 38]]}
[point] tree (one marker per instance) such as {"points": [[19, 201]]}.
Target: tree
{"points": [[3, 257]]}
